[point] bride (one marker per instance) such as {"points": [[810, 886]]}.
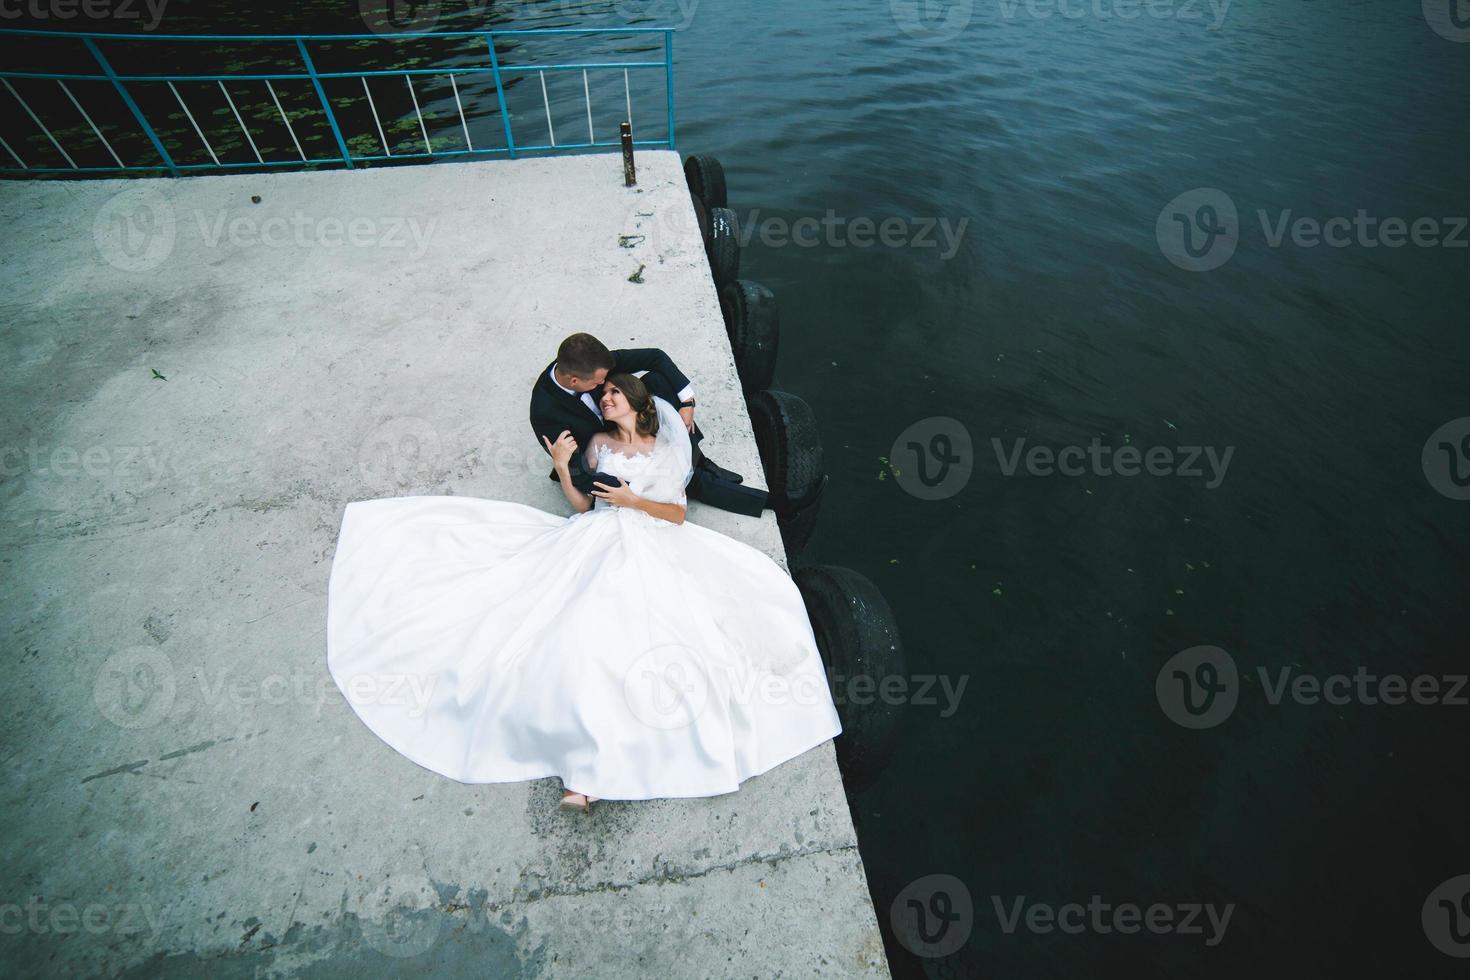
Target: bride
{"points": [[631, 654]]}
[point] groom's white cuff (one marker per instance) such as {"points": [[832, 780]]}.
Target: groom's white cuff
{"points": [[687, 393]]}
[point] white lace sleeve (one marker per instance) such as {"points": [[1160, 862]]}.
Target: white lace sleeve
{"points": [[591, 452]]}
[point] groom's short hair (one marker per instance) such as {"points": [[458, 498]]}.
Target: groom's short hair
{"points": [[583, 355]]}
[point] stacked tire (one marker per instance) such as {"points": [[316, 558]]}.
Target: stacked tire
{"points": [[786, 432], [856, 633]]}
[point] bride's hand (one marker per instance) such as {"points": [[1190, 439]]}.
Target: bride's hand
{"points": [[562, 450], [619, 496]]}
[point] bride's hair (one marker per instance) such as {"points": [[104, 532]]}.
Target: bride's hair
{"points": [[639, 399]]}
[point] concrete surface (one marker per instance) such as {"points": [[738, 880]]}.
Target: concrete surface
{"points": [[196, 385]]}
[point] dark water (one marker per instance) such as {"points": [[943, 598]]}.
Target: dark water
{"points": [[1059, 319]]}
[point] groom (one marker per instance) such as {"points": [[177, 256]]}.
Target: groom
{"points": [[566, 398]]}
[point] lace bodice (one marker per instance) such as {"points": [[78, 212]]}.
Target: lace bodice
{"points": [[653, 474]]}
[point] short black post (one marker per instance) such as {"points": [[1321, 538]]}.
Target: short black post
{"points": [[630, 172]]}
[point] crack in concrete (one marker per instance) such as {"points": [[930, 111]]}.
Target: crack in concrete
{"points": [[654, 879], [129, 767]]}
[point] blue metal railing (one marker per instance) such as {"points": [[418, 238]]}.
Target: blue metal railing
{"points": [[127, 118]]}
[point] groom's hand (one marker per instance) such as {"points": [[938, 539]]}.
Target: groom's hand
{"points": [[687, 414], [561, 451]]}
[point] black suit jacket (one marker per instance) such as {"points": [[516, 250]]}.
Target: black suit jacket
{"points": [[554, 411]]}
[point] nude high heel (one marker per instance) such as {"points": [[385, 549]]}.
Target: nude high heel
{"points": [[577, 801]]}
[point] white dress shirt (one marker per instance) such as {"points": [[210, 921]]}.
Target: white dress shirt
{"points": [[591, 403]]}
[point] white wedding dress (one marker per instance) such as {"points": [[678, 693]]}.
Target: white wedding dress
{"points": [[636, 659]]}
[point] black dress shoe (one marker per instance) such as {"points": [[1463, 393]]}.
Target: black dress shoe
{"points": [[708, 468]]}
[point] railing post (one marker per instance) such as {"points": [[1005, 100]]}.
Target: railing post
{"points": [[630, 170], [669, 75], [316, 83], [122, 90], [510, 143]]}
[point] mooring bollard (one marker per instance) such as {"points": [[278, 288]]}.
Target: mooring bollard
{"points": [[630, 172]]}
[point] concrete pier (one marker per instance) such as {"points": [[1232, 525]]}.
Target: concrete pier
{"points": [[199, 374]]}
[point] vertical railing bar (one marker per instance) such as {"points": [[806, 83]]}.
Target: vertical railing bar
{"points": [[38, 122], [74, 102], [14, 154], [127, 98], [321, 94], [587, 92], [547, 102], [414, 95], [376, 121], [669, 77], [460, 106], [248, 138], [285, 119], [510, 143], [628, 92], [190, 117]]}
